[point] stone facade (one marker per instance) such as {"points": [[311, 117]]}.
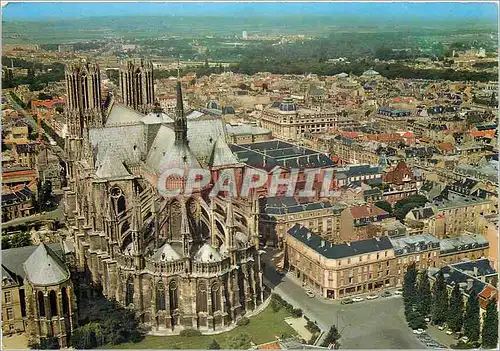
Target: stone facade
{"points": [[189, 261]]}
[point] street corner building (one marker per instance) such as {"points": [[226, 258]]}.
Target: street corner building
{"points": [[183, 262]]}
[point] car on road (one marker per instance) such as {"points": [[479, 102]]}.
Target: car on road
{"points": [[372, 297], [441, 327], [398, 292], [357, 299], [386, 294], [347, 301], [309, 293], [417, 331], [421, 331], [449, 332]]}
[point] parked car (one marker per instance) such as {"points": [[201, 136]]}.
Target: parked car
{"points": [[309, 293], [449, 332], [441, 327], [457, 336], [427, 319], [386, 294], [398, 292], [347, 301], [357, 299], [417, 331], [464, 339], [421, 330], [372, 297]]}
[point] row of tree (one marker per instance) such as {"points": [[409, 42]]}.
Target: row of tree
{"points": [[444, 308]]}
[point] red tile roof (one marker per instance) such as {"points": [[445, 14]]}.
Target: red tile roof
{"points": [[269, 346], [363, 211], [488, 293], [446, 147]]}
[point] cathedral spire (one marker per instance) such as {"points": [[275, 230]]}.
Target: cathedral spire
{"points": [[180, 127]]}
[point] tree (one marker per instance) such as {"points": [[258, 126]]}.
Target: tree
{"points": [[424, 294], [489, 334], [456, 310], [20, 239], [439, 300], [384, 205], [48, 343], [240, 342], [44, 96], [471, 318], [409, 287], [214, 345], [331, 337]]}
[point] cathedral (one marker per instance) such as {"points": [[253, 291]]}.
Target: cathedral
{"points": [[183, 262]]}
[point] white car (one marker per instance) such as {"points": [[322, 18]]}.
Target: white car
{"points": [[417, 331], [398, 292], [449, 332], [309, 293], [357, 299], [464, 339], [427, 319], [441, 327], [372, 297]]}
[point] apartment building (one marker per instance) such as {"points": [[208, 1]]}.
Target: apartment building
{"points": [[354, 221], [336, 271], [288, 121]]}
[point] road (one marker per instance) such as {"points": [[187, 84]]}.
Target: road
{"points": [[58, 151], [375, 324]]}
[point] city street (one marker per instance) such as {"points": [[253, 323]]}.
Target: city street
{"points": [[375, 324]]}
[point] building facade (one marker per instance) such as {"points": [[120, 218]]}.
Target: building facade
{"points": [[336, 271]]}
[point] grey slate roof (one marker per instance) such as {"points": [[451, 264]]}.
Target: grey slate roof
{"points": [[336, 251], [120, 114], [44, 267], [155, 118], [111, 168], [13, 259], [222, 154], [206, 254], [166, 253]]}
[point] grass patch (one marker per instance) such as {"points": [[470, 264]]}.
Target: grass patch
{"points": [[262, 328]]}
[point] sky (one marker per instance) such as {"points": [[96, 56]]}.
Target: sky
{"points": [[439, 11]]}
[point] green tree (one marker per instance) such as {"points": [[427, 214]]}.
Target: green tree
{"points": [[331, 337], [214, 345], [456, 310], [409, 287], [48, 343], [384, 205], [471, 318], [240, 342], [439, 300], [20, 239], [424, 294], [489, 334]]}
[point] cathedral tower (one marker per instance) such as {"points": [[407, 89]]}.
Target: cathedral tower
{"points": [[83, 88], [137, 85]]}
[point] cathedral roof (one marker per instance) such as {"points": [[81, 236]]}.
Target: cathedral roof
{"points": [[157, 117], [178, 156], [207, 253], [222, 154], [166, 253], [110, 167], [44, 267], [121, 114]]}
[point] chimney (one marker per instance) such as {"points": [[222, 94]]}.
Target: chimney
{"points": [[308, 236], [469, 284], [322, 243], [475, 272]]}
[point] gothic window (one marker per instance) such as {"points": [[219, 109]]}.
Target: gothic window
{"points": [[216, 305], [53, 303], [41, 304], [201, 298], [119, 199], [172, 294], [160, 297], [120, 205], [129, 295], [175, 220], [65, 301]]}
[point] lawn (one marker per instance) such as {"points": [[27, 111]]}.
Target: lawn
{"points": [[262, 328]]}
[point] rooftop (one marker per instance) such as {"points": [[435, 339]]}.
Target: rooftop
{"points": [[337, 251]]}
